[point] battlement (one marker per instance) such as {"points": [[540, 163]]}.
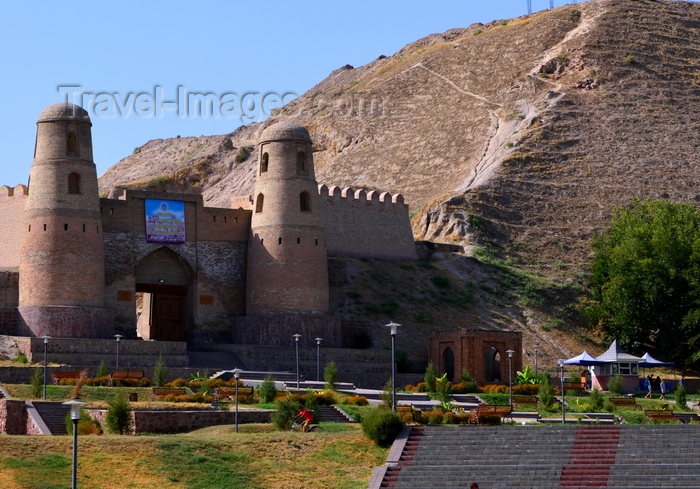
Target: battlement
{"points": [[348, 194], [366, 224], [16, 191]]}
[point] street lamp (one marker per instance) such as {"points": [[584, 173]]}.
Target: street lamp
{"points": [[46, 342], [393, 327], [296, 340], [537, 349], [236, 375], [318, 359], [560, 362], [510, 375], [75, 416], [118, 337]]}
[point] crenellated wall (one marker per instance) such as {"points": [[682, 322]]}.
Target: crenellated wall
{"points": [[12, 201], [363, 224]]}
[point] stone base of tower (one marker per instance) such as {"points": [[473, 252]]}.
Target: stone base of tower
{"points": [[278, 330], [65, 322]]}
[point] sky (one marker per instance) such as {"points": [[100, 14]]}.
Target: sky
{"points": [[131, 64]]}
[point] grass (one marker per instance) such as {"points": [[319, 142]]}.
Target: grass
{"points": [[211, 458]]}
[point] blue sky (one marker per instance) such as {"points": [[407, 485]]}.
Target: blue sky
{"points": [[158, 48]]}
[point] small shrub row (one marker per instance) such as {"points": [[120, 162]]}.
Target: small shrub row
{"points": [[356, 401], [104, 381]]}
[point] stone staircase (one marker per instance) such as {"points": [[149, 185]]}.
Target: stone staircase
{"points": [[331, 414], [543, 457], [54, 415]]}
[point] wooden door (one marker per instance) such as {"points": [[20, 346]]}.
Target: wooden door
{"points": [[169, 317]]}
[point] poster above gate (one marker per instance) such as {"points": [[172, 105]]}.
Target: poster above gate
{"points": [[165, 221]]}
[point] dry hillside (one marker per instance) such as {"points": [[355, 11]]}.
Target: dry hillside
{"points": [[520, 135]]}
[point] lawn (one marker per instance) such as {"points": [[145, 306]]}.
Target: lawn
{"points": [[215, 457]]}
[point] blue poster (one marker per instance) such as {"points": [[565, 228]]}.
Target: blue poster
{"points": [[165, 221]]}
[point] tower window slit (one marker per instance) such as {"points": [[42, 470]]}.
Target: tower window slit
{"points": [[65, 227], [316, 241], [298, 240], [83, 227], [44, 227], [279, 240], [30, 228], [224, 218]]}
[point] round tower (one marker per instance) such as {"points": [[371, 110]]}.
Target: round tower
{"points": [[287, 262], [62, 249]]}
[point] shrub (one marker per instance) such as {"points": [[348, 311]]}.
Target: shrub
{"points": [[615, 385], [546, 392], [681, 397], [630, 60], [160, 373], [466, 387], [386, 393], [431, 417], [86, 425], [287, 410], [37, 383], [430, 378], [440, 282], [21, 358], [417, 387], [526, 389], [311, 402], [449, 418], [101, 370], [382, 427], [494, 388], [180, 382], [597, 399], [357, 401], [268, 390], [444, 390], [330, 375], [118, 417], [99, 381], [325, 398]]}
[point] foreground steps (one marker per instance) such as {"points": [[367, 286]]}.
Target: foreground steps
{"points": [[543, 457], [54, 416]]}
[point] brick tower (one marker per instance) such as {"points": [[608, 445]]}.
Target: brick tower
{"points": [[61, 284], [287, 262]]}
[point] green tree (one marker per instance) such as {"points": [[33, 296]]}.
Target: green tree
{"points": [[645, 279], [330, 375], [37, 383], [160, 373], [430, 378], [268, 390], [101, 370], [118, 417]]}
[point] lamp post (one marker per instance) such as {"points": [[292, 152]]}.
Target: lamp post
{"points": [[537, 349], [236, 375], [75, 416], [560, 362], [46, 342], [318, 359], [118, 337], [510, 375], [296, 341], [393, 326]]}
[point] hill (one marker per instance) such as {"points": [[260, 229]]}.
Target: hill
{"points": [[513, 139]]}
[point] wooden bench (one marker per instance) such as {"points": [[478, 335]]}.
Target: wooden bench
{"points": [[502, 410], [660, 415], [134, 375], [166, 391], [624, 402], [57, 376], [568, 386], [243, 392], [408, 413], [526, 400]]}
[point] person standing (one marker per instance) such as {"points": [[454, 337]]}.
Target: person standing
{"points": [[650, 381], [662, 386]]}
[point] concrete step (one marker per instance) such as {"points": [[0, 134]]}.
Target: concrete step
{"points": [[331, 414], [54, 415]]}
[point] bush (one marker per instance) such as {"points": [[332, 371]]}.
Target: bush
{"points": [[180, 382], [160, 373], [546, 392], [466, 387], [382, 427], [86, 425], [386, 393], [21, 358], [330, 375], [37, 383], [118, 417], [597, 399], [268, 390], [287, 410], [430, 378], [494, 388], [102, 381], [431, 417], [615, 385], [325, 398], [101, 370], [681, 397], [357, 401], [526, 389], [444, 390]]}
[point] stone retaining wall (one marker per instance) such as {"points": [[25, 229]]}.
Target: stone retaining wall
{"points": [[184, 421]]}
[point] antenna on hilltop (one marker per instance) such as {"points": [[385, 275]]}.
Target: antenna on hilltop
{"points": [[551, 4], [529, 7]]}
